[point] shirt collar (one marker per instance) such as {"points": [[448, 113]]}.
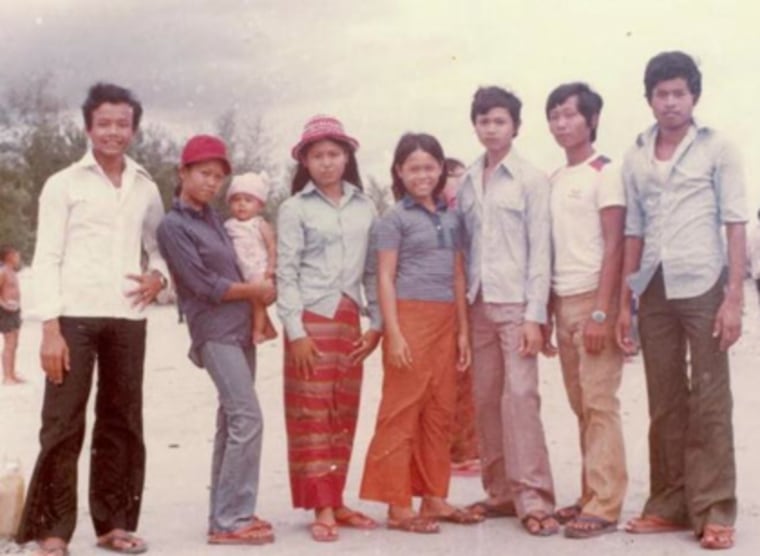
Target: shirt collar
{"points": [[510, 163], [407, 202], [647, 138], [130, 166], [181, 206], [349, 190]]}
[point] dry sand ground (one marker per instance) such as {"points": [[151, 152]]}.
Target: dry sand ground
{"points": [[179, 423]]}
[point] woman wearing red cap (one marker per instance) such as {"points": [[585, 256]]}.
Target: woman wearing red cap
{"points": [[217, 304], [323, 236]]}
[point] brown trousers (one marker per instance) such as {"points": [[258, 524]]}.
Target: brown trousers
{"points": [[592, 382], [691, 448]]}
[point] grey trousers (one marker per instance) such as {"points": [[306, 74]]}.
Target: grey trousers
{"points": [[237, 444], [691, 449]]}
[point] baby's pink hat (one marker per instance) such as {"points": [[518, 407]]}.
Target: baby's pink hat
{"points": [[250, 183]]}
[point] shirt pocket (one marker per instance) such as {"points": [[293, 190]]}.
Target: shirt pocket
{"points": [[510, 211]]}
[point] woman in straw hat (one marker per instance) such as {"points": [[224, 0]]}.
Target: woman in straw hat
{"points": [[322, 244]]}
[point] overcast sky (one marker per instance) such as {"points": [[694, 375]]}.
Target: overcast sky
{"points": [[389, 66]]}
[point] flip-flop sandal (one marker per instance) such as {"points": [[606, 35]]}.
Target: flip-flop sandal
{"points": [[540, 525], [417, 524], [255, 533], [460, 517], [589, 526], [352, 518], [323, 532], [717, 537], [115, 541], [490, 511], [647, 524], [568, 513]]}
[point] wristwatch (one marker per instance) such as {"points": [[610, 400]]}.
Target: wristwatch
{"points": [[162, 279], [598, 316]]}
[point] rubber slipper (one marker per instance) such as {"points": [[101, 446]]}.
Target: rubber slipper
{"points": [[589, 526], [540, 524], [717, 537], [122, 542], [460, 517], [352, 518], [323, 532], [647, 524], [568, 513], [490, 510], [255, 533], [415, 524]]}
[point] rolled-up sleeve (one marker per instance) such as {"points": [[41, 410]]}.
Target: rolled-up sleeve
{"points": [[730, 185], [49, 249], [539, 253], [178, 249], [290, 245]]}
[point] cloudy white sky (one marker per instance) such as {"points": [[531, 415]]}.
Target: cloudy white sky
{"points": [[388, 66]]}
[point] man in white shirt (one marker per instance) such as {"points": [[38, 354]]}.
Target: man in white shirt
{"points": [[95, 218], [588, 213]]}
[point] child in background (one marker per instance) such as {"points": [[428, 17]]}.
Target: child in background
{"points": [[10, 311], [253, 240], [455, 169]]}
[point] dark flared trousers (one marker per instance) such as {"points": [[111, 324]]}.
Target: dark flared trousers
{"points": [[691, 449], [117, 457]]}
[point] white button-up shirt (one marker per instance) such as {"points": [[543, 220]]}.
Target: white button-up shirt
{"points": [[508, 234], [90, 235]]}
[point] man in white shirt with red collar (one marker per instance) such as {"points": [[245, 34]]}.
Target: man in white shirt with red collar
{"points": [[95, 218]]}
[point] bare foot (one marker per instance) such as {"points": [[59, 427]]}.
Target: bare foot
{"points": [[51, 546], [13, 380]]}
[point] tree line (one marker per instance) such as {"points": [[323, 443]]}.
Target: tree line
{"points": [[40, 135]]}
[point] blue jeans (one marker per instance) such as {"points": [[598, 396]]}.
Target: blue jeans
{"points": [[237, 444]]}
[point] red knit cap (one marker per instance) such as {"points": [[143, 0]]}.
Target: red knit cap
{"points": [[323, 127], [201, 148]]}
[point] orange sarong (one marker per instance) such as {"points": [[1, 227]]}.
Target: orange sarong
{"points": [[409, 453], [321, 413]]}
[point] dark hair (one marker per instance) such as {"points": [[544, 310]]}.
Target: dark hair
{"points": [[451, 164], [6, 250], [488, 98], [102, 93], [589, 102], [671, 65], [409, 143], [351, 173]]}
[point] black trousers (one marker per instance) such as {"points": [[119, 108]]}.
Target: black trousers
{"points": [[117, 457]]}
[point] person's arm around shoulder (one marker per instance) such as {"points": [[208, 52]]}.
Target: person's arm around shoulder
{"points": [[538, 228]]}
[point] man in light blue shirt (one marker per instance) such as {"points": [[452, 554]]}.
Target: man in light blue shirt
{"points": [[684, 188], [504, 202]]}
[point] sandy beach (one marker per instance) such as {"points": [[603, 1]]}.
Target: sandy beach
{"points": [[180, 404]]}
